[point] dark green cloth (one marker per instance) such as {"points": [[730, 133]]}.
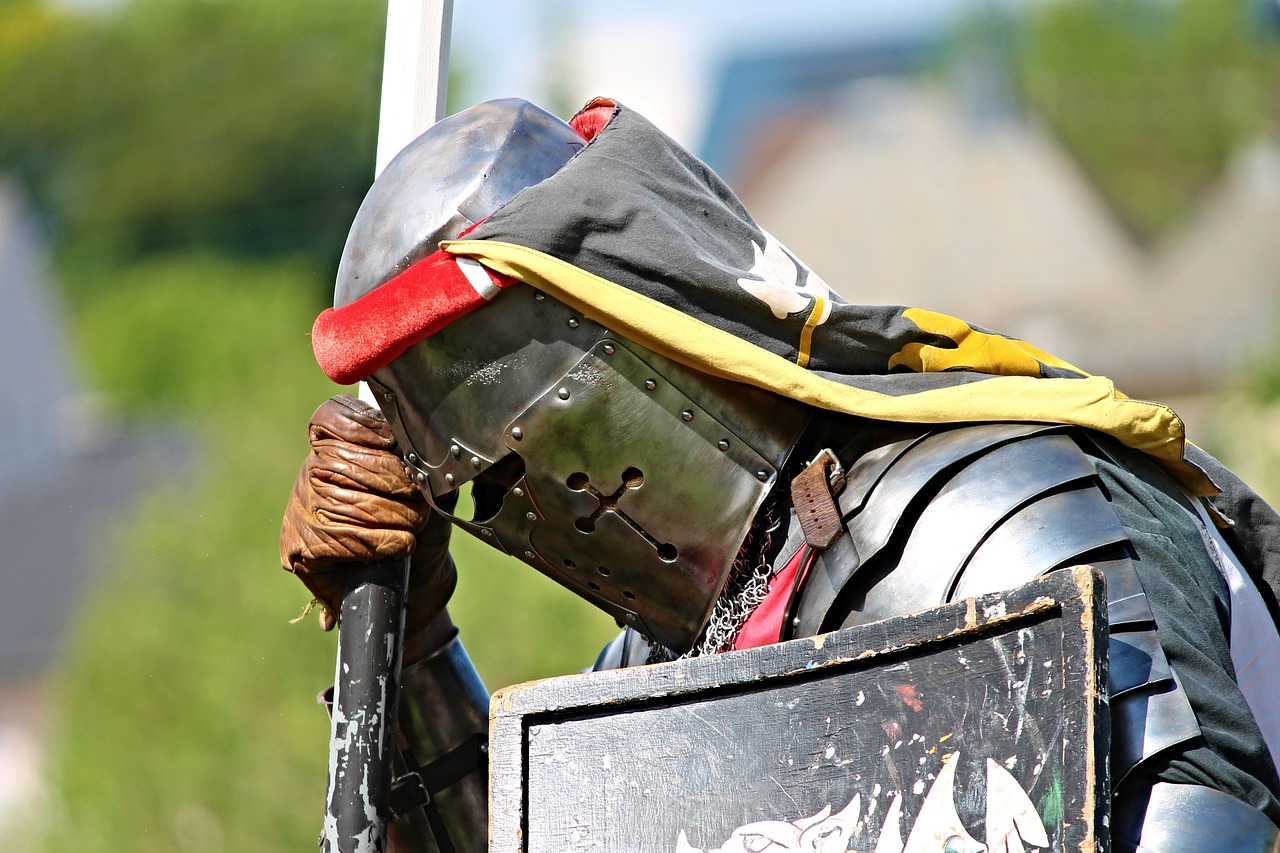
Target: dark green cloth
{"points": [[1191, 604]]}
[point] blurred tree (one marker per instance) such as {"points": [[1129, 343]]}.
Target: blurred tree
{"points": [[1151, 97], [236, 124]]}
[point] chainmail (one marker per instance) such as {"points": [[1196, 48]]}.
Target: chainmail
{"points": [[746, 587]]}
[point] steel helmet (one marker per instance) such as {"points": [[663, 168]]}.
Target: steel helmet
{"points": [[629, 478]]}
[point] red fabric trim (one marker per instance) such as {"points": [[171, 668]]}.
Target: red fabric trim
{"points": [[764, 625], [593, 118], [355, 340]]}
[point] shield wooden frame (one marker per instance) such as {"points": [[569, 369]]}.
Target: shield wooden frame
{"points": [[854, 726]]}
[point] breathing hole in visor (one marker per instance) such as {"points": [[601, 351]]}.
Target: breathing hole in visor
{"points": [[632, 478], [490, 487]]}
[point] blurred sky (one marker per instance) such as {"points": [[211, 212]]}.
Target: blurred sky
{"points": [[658, 56]]}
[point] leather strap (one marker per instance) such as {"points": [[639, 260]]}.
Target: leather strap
{"points": [[813, 494]]}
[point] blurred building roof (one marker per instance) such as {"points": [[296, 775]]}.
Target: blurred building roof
{"points": [[903, 188]]}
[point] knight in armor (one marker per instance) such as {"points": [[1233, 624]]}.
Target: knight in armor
{"points": [[659, 406]]}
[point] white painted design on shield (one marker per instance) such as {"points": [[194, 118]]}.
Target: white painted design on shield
{"points": [[478, 277], [1012, 824], [773, 279]]}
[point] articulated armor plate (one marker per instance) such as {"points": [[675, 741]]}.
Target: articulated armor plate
{"points": [[944, 515], [439, 796]]}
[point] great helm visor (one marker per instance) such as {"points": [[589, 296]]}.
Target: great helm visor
{"points": [[629, 478]]}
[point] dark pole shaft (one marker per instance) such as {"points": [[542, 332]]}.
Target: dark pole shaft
{"points": [[366, 692]]}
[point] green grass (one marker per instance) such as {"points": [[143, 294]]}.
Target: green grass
{"points": [[185, 717]]}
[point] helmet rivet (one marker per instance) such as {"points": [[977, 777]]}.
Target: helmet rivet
{"points": [[456, 451], [723, 444], [517, 433], [528, 555], [573, 322], [538, 297], [608, 349], [686, 415], [532, 516], [475, 462], [650, 385], [484, 531], [448, 478], [518, 492], [563, 393], [420, 478], [762, 475], [795, 622], [388, 396]]}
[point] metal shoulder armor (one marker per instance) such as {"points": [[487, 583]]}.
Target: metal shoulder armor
{"points": [[945, 514]]}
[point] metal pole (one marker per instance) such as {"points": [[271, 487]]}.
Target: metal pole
{"points": [[371, 633], [363, 725]]}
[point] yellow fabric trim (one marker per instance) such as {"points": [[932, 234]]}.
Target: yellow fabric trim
{"points": [[1093, 402], [816, 316]]}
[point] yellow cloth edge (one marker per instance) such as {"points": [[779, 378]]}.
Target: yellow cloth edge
{"points": [[1094, 403], [806, 334]]}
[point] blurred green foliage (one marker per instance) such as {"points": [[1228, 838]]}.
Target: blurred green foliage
{"points": [[199, 162], [1151, 97], [233, 124]]}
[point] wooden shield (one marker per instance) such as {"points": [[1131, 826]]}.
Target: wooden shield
{"points": [[974, 726]]}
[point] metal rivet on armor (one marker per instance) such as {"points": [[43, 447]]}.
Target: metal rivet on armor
{"points": [[723, 444], [517, 433], [650, 385], [413, 457], [528, 555], [448, 478], [388, 396], [538, 297], [686, 415], [630, 617], [486, 532], [608, 349], [762, 475], [518, 492], [573, 322], [563, 393], [475, 462], [795, 622], [420, 478], [532, 516], [456, 451]]}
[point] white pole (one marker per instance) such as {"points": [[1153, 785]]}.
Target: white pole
{"points": [[415, 73], [415, 82]]}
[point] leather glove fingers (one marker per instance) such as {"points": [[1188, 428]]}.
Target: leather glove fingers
{"points": [[353, 501]]}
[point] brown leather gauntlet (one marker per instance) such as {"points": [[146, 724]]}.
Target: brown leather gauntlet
{"points": [[354, 501]]}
